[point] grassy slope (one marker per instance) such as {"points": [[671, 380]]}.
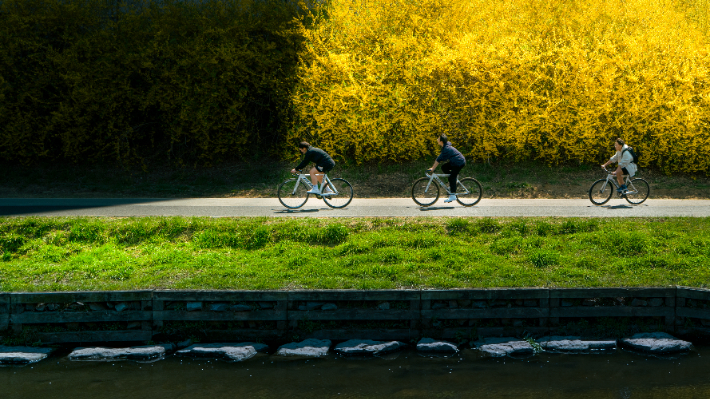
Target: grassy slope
{"points": [[260, 179], [57, 254]]}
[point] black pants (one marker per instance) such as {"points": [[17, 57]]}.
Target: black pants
{"points": [[453, 172]]}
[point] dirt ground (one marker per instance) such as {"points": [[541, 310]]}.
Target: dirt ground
{"points": [[369, 181]]}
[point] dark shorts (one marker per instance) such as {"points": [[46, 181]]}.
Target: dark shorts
{"points": [[325, 168], [624, 171]]}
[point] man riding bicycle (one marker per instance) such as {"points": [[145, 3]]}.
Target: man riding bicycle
{"points": [[324, 164], [626, 165], [453, 167]]}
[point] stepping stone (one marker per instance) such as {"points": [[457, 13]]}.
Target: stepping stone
{"points": [[432, 346], [575, 344], [234, 352], [367, 347], [310, 348], [21, 355], [140, 353], [499, 347], [657, 343]]}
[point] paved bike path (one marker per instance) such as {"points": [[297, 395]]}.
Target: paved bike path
{"points": [[226, 207]]}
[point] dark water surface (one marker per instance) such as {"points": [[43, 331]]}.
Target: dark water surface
{"points": [[403, 375]]}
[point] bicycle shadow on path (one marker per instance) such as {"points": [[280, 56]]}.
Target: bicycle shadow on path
{"points": [[622, 206], [299, 210], [435, 208]]}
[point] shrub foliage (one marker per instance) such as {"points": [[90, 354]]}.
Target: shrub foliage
{"points": [[101, 80], [550, 80], [367, 80]]}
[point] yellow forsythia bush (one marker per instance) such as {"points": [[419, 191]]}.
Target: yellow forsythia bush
{"points": [[548, 80]]}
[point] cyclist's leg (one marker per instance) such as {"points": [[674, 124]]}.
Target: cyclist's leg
{"points": [[624, 172], [314, 172], [447, 169], [316, 177], [619, 173], [326, 169], [453, 172]]}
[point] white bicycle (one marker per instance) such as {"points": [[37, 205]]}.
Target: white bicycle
{"points": [[425, 191], [293, 193], [637, 190]]}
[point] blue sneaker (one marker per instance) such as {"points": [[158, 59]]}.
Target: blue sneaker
{"points": [[621, 189]]}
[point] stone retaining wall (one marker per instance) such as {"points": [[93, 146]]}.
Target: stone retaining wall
{"points": [[139, 316]]}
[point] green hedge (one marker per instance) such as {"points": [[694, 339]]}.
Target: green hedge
{"points": [[184, 82]]}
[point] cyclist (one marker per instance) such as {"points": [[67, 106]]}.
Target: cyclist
{"points": [[324, 164], [453, 167], [625, 161]]}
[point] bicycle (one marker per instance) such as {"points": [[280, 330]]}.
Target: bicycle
{"points": [[293, 193], [425, 190], [637, 190]]}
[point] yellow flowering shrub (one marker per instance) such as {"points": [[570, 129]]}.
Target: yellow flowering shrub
{"points": [[548, 80]]}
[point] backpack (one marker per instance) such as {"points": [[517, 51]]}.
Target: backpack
{"points": [[633, 154]]}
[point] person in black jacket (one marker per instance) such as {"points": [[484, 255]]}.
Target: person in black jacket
{"points": [[324, 164], [453, 167]]}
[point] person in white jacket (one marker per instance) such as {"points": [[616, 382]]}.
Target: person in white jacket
{"points": [[625, 161]]}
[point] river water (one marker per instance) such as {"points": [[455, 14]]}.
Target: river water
{"points": [[403, 375]]}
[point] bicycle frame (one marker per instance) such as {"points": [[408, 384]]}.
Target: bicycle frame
{"points": [[303, 178], [437, 178], [611, 178]]}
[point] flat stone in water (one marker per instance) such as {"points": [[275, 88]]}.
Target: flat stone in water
{"points": [[657, 343], [310, 348], [367, 347], [21, 355], [434, 346], [235, 352], [140, 353], [506, 346], [575, 344]]}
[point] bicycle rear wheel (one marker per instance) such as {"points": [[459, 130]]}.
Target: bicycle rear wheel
{"points": [[422, 195], [600, 192], [344, 196], [293, 194], [474, 189], [637, 191]]}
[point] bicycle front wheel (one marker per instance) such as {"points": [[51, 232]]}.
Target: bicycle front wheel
{"points": [[637, 191], [468, 191], [423, 195], [344, 194], [293, 194], [600, 192]]}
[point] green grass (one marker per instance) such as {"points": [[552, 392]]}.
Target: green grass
{"points": [[59, 254]]}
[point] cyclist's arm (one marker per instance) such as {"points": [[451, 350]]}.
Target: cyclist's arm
{"points": [[304, 162], [436, 163], [611, 160]]}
